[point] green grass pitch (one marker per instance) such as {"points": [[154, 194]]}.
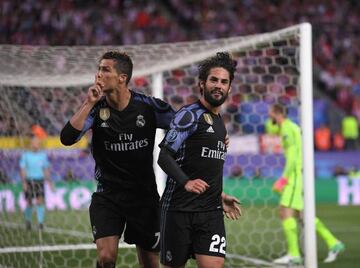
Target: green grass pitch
{"points": [[257, 234]]}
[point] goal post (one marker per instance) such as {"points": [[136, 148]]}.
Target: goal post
{"points": [[158, 92], [46, 84], [306, 84]]}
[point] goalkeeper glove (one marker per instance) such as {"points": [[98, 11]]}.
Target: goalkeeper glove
{"points": [[279, 185]]}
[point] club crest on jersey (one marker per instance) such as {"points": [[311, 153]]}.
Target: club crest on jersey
{"points": [[208, 119], [104, 113], [171, 135], [140, 121]]}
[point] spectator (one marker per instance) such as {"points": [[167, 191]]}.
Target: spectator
{"points": [[339, 171], [69, 176], [323, 138], [236, 173], [354, 173], [257, 174], [3, 178], [345, 99], [338, 142], [356, 108], [350, 131], [38, 131]]}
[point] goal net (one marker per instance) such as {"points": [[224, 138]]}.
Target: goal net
{"points": [[43, 86]]}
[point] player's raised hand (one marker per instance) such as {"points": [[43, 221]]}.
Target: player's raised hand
{"points": [[231, 206], [196, 186], [95, 91]]}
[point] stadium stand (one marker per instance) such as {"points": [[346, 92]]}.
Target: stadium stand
{"points": [[336, 53]]}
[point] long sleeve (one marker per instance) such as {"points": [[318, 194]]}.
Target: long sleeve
{"points": [[291, 157], [69, 135], [170, 167]]}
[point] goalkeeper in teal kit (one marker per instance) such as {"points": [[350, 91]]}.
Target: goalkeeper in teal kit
{"points": [[290, 187]]}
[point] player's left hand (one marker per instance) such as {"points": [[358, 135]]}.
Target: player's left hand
{"points": [[279, 185], [231, 206]]}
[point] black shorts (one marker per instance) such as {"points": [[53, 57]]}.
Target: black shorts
{"points": [[141, 222], [184, 234], [35, 188]]}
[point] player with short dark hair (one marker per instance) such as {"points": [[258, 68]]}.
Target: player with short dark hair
{"points": [[123, 125], [192, 154], [290, 186]]}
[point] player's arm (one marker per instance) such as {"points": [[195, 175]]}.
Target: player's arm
{"points": [[291, 154], [167, 162], [291, 158], [80, 121], [182, 126], [231, 206]]}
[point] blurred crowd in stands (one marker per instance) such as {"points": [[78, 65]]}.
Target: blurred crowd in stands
{"points": [[336, 44]]}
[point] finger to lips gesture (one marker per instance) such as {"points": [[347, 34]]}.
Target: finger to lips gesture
{"points": [[95, 91]]}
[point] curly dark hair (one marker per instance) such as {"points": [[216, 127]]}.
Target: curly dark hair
{"points": [[222, 59], [123, 61]]}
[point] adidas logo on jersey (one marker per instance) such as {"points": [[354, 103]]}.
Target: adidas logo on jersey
{"points": [[210, 130], [104, 124]]}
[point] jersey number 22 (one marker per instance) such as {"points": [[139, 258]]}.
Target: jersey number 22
{"points": [[218, 244]]}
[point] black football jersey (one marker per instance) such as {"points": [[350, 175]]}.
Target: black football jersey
{"points": [[123, 141], [197, 139]]}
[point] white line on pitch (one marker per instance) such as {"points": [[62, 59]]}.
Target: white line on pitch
{"points": [[55, 248], [251, 260], [49, 230]]}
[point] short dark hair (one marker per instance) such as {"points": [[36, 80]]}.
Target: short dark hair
{"points": [[280, 109], [221, 59], [123, 63]]}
